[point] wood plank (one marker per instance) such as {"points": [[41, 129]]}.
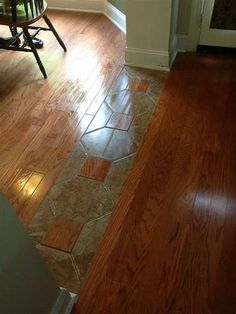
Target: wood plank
{"points": [[62, 234], [42, 120], [170, 245], [95, 168]]}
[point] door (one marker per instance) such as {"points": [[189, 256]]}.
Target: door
{"points": [[219, 23]]}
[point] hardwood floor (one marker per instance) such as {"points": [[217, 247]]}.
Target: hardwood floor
{"points": [[41, 120], [171, 244]]}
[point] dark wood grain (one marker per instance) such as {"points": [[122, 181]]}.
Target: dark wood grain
{"points": [[171, 244]]}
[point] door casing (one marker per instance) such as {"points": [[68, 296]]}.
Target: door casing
{"points": [[195, 24]]}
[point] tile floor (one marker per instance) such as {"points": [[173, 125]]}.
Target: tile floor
{"points": [[69, 225]]}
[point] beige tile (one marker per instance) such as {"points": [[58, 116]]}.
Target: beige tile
{"points": [[62, 268], [117, 176], [80, 199], [139, 126], [131, 103], [120, 121], [155, 89], [73, 164], [121, 83], [101, 118], [109, 144], [88, 242]]}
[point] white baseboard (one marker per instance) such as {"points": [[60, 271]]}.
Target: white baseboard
{"points": [[96, 6], [160, 60], [182, 42], [116, 16], [64, 303], [150, 59]]}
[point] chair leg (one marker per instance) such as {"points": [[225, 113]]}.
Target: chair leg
{"points": [[13, 31], [49, 24], [31, 44]]}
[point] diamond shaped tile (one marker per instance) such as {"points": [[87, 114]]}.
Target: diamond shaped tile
{"points": [[62, 234], [95, 168], [109, 144], [131, 103]]}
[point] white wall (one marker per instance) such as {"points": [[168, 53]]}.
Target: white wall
{"points": [[150, 25], [155, 28]]}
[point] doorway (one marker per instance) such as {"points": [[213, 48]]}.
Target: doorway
{"points": [[218, 26]]}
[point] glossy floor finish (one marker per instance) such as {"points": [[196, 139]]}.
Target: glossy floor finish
{"points": [[41, 121], [70, 223], [67, 143], [170, 246]]}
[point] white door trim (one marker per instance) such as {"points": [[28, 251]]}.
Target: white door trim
{"points": [[213, 36], [195, 24]]}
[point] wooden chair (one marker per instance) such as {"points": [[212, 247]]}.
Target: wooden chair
{"points": [[33, 10]]}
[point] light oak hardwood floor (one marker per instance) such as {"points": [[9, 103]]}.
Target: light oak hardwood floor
{"points": [[42, 120]]}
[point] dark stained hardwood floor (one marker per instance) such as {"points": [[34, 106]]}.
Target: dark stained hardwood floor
{"points": [[171, 244]]}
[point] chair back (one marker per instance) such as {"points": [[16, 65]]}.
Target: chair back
{"points": [[21, 10]]}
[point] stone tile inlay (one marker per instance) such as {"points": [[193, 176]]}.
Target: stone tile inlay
{"points": [[80, 199], [139, 125], [138, 85], [42, 221], [128, 102], [62, 267], [120, 121], [109, 144], [62, 234], [87, 189], [73, 165], [100, 119], [95, 168], [88, 242], [117, 176]]}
